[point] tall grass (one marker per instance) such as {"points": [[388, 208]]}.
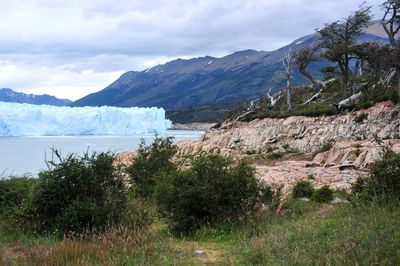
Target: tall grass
{"points": [[330, 235], [306, 233]]}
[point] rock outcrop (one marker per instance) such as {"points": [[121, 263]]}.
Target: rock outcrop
{"points": [[306, 133], [342, 146]]}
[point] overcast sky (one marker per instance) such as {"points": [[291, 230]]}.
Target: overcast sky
{"points": [[69, 48]]}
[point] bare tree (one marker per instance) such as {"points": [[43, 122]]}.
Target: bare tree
{"points": [[272, 100], [288, 65], [303, 58], [339, 39], [391, 20]]}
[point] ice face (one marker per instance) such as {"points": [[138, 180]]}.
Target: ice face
{"points": [[43, 120]]}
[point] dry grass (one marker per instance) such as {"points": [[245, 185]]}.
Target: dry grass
{"points": [[110, 248]]}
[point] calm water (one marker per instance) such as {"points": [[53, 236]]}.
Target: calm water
{"points": [[26, 155]]}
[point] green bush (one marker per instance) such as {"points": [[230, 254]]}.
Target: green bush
{"points": [[383, 181], [213, 189], [313, 110], [79, 193], [323, 195], [13, 192], [302, 189], [152, 162]]}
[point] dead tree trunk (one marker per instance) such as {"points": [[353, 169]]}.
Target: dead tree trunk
{"points": [[345, 103], [272, 100], [287, 64], [314, 97]]}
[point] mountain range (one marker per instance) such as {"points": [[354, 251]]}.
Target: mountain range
{"points": [[8, 95], [238, 77]]}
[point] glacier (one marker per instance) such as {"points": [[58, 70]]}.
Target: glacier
{"points": [[18, 120]]}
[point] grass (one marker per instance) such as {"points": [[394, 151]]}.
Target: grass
{"points": [[329, 236], [306, 233]]}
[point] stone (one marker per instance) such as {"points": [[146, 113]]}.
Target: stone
{"points": [[304, 199], [199, 253], [339, 201]]}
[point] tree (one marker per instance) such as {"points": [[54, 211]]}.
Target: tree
{"points": [[379, 60], [391, 20], [288, 65], [303, 58], [339, 39]]}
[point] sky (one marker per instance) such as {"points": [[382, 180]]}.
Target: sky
{"points": [[70, 48]]}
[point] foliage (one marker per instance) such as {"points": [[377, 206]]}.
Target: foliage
{"points": [[13, 192], [209, 113], [339, 39], [213, 189], [330, 72], [302, 189], [361, 118], [383, 183], [313, 110], [323, 195], [380, 58], [79, 193], [152, 162], [374, 95]]}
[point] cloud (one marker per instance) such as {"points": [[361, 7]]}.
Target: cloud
{"points": [[49, 46]]}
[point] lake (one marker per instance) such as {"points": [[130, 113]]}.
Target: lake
{"points": [[26, 155]]}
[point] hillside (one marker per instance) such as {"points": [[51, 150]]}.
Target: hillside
{"points": [[181, 84], [8, 95]]}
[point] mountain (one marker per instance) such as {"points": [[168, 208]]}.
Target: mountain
{"points": [[8, 95], [180, 84]]}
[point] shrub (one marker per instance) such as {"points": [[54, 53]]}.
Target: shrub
{"points": [[302, 189], [361, 118], [13, 192], [151, 163], [313, 110], [323, 195], [79, 193], [383, 181], [267, 195], [213, 189], [387, 173]]}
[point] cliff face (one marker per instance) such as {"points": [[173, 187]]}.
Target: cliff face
{"points": [[353, 144], [308, 134]]}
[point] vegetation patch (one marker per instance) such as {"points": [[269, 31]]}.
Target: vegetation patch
{"points": [[153, 162], [302, 189], [213, 189], [383, 183], [323, 194]]}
